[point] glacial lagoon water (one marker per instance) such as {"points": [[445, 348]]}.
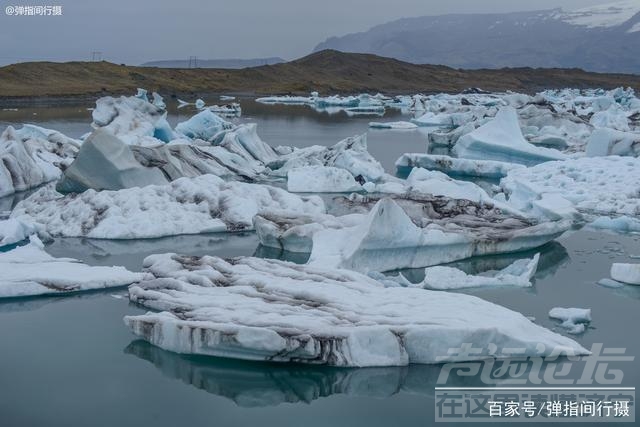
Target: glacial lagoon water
{"points": [[71, 361]]}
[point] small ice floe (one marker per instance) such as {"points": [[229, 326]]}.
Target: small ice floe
{"points": [[182, 104], [454, 166], [609, 283], [199, 104], [30, 271], [518, 274], [9, 109], [393, 125], [227, 98], [623, 224], [626, 273], [267, 310], [321, 179], [501, 139], [14, 231], [574, 320]]}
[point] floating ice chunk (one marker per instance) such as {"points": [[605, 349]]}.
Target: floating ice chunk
{"points": [[29, 162], [393, 125], [199, 104], [14, 231], [606, 142], [106, 163], [454, 166], [134, 120], [517, 274], [389, 239], [608, 283], [203, 204], [350, 154], [435, 120], [227, 98], [613, 118], [158, 101], [142, 94], [626, 273], [597, 186], [182, 104], [501, 139], [29, 271], [204, 125], [573, 319], [321, 179], [256, 309], [624, 224]]}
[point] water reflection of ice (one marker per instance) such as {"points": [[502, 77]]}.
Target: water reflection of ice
{"points": [[259, 384]]}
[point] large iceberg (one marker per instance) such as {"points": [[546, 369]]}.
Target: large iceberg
{"points": [[204, 125], [30, 271], [501, 139], [185, 206], [321, 179], [32, 156], [133, 119], [607, 142], [256, 309]]}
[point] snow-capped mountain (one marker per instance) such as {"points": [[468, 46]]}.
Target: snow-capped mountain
{"points": [[599, 38]]}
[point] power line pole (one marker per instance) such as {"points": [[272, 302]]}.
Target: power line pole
{"points": [[193, 62], [96, 56]]}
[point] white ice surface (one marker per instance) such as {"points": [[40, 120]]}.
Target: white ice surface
{"points": [[257, 309], [30, 271], [321, 179], [13, 231], [626, 273], [574, 320]]}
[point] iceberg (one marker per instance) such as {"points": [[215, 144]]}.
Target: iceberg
{"points": [[517, 274], [227, 98], [134, 120], [594, 186], [350, 154], [432, 232], [321, 179], [393, 125], [199, 104], [454, 166], [204, 125], [105, 162], [501, 139], [203, 204], [256, 309], [30, 271], [28, 160], [626, 273], [573, 319], [608, 142], [13, 231]]}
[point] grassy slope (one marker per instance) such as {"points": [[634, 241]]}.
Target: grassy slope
{"points": [[326, 71]]}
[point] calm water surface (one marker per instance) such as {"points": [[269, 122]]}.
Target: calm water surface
{"points": [[72, 362]]}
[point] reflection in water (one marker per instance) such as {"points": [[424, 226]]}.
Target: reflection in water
{"points": [[258, 384], [552, 256], [280, 254], [32, 303]]}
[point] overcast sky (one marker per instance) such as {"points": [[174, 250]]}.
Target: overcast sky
{"points": [[136, 31]]}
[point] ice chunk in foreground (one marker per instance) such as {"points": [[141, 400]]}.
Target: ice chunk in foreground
{"points": [[256, 309], [393, 125], [321, 179], [14, 231], [607, 142], [518, 274], [203, 204], [626, 273], [454, 166], [573, 319], [29, 271], [501, 139]]}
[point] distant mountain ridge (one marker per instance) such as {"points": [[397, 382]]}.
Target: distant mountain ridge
{"points": [[604, 38], [231, 63]]}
